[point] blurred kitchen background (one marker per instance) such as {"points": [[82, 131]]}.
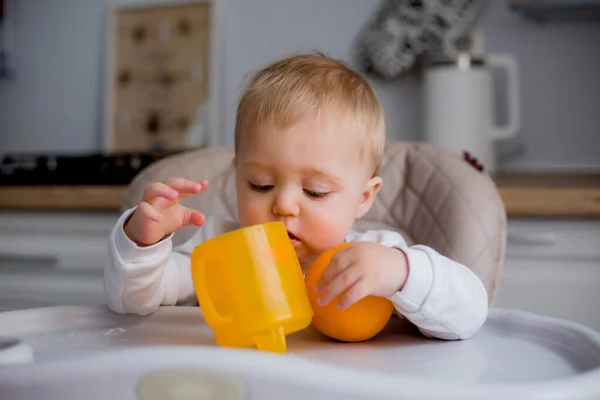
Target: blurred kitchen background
{"points": [[72, 135]]}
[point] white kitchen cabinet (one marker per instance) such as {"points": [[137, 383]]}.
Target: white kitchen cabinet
{"points": [[553, 267], [52, 258]]}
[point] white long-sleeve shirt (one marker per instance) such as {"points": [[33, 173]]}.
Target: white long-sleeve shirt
{"points": [[443, 298]]}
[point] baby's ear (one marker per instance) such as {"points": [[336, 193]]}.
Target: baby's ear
{"points": [[368, 196]]}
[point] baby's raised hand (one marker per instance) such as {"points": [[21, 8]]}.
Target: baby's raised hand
{"points": [[160, 213], [361, 270]]}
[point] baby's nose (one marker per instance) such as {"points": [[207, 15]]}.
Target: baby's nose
{"points": [[285, 205]]}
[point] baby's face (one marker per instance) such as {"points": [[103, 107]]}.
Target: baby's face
{"points": [[307, 176]]}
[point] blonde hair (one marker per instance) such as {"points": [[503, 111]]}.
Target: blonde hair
{"points": [[281, 92]]}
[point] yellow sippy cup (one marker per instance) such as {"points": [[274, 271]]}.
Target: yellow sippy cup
{"points": [[250, 287]]}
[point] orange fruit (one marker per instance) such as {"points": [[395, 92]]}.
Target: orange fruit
{"points": [[359, 322]]}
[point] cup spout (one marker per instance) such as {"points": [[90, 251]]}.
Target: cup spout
{"points": [[272, 340]]}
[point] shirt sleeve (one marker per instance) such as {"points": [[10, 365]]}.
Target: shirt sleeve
{"points": [[442, 297], [137, 280]]}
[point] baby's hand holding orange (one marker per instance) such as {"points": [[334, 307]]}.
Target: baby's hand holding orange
{"points": [[361, 270], [349, 302]]}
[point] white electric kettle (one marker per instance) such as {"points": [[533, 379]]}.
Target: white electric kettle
{"points": [[459, 105]]}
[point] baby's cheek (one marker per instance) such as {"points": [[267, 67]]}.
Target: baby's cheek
{"points": [[252, 213], [331, 229]]}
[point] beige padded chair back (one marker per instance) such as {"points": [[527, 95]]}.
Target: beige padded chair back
{"points": [[432, 196]]}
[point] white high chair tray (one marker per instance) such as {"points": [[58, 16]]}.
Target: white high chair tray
{"points": [[93, 353]]}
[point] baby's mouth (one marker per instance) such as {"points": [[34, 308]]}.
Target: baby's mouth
{"points": [[293, 238]]}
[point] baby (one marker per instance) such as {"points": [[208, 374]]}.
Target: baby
{"points": [[309, 137]]}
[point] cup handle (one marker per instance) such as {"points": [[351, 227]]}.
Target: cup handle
{"points": [[513, 126], [206, 304]]}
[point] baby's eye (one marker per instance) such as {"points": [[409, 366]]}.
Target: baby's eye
{"points": [[260, 188], [316, 195]]}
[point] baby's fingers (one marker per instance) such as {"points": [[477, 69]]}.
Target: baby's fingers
{"points": [[356, 293], [157, 190], [339, 262], [192, 217], [186, 187], [342, 282], [177, 217], [148, 212]]}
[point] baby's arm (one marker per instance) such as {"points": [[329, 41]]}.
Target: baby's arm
{"points": [[144, 271], [443, 298], [139, 279]]}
